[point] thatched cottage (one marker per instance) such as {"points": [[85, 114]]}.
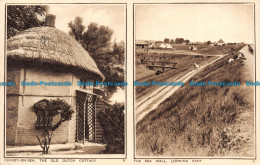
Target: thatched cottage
{"points": [[48, 54], [220, 43]]}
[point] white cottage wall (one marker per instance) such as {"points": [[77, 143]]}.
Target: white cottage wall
{"points": [[20, 100]]}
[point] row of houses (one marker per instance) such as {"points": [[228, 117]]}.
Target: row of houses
{"points": [[146, 44], [162, 45]]}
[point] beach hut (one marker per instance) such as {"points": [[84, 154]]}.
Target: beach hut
{"points": [[49, 55]]}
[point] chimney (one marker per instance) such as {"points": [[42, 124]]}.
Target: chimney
{"points": [[50, 20]]}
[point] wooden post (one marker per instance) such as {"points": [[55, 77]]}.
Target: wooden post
{"points": [[84, 123]]}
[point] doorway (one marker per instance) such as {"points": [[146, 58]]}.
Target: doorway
{"points": [[85, 117]]}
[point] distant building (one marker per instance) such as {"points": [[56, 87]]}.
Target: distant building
{"points": [[151, 46], [193, 48], [168, 46], [194, 43], [141, 44], [162, 46], [165, 46], [159, 42], [220, 43], [231, 43]]}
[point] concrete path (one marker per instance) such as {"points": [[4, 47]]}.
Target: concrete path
{"points": [[148, 104], [37, 148], [88, 148]]}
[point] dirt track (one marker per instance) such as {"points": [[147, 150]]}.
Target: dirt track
{"points": [[249, 63], [148, 104], [244, 121]]}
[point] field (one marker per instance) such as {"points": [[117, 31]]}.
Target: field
{"points": [[201, 120], [205, 49], [184, 58], [202, 49], [184, 65]]}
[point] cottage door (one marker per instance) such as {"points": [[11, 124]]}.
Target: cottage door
{"points": [[90, 118], [85, 116]]}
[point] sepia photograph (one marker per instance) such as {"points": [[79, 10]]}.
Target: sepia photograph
{"points": [[194, 80], [66, 67], [129, 82]]}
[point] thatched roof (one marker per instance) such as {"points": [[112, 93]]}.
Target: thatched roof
{"points": [[220, 41], [49, 45]]}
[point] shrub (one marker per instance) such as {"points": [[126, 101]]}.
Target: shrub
{"points": [[45, 111], [112, 122]]}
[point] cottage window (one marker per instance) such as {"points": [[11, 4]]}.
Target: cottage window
{"points": [[43, 120], [81, 86], [91, 86], [85, 81]]}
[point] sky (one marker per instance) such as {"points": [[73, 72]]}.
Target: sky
{"points": [[196, 22], [118, 96], [112, 15]]}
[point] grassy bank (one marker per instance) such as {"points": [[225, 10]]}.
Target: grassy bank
{"points": [[200, 121], [184, 65]]}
